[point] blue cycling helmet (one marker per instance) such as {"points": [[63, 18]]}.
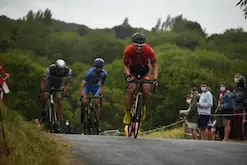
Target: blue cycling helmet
{"points": [[99, 63]]}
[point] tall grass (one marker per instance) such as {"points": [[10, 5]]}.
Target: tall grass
{"points": [[28, 145]]}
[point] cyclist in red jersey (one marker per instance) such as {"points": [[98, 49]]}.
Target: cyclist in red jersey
{"points": [[3, 72], [137, 59], [3, 86]]}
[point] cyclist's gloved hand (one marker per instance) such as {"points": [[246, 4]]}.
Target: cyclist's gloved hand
{"points": [[156, 82], [100, 95], [129, 78], [7, 75]]}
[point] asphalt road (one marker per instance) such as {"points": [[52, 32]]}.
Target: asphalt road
{"points": [[116, 150]]}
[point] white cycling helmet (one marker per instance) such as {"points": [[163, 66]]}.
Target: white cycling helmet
{"points": [[60, 63]]}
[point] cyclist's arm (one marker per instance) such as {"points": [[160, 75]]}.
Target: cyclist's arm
{"points": [[155, 70], [82, 87], [42, 83], [68, 77], [46, 75], [3, 72], [1, 69], [126, 61], [154, 64], [103, 83], [85, 80]]}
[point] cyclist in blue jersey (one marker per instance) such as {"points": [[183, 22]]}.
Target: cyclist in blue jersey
{"points": [[94, 82]]}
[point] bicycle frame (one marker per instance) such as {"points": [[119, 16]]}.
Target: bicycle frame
{"points": [[136, 109], [52, 117], [51, 109], [90, 115]]}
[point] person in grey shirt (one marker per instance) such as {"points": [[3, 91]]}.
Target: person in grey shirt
{"points": [[204, 110]]}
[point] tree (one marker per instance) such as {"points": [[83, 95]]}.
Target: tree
{"points": [[158, 25], [30, 16], [126, 22], [243, 4], [47, 17], [167, 24], [39, 16]]}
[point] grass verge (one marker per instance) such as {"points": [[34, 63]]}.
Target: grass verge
{"points": [[28, 145], [175, 133]]}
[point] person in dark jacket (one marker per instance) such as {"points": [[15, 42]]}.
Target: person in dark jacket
{"points": [[225, 107], [239, 104]]}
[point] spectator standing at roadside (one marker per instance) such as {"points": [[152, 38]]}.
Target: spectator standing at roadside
{"points": [[239, 104], [225, 108], [192, 114], [204, 110]]}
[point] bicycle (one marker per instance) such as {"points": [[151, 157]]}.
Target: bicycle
{"points": [[90, 126], [50, 119], [136, 110]]}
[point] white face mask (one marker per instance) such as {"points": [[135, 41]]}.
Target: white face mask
{"points": [[188, 101], [236, 80], [222, 89]]}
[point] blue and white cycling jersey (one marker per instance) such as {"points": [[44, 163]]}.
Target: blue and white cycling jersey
{"points": [[93, 79]]}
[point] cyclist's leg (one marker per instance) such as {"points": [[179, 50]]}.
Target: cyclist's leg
{"points": [[128, 104], [146, 93], [95, 91], [85, 93], [44, 96], [58, 85]]}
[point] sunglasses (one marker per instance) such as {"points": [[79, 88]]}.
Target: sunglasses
{"points": [[138, 45]]}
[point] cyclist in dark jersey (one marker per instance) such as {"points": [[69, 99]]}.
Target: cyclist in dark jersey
{"points": [[137, 59], [54, 77]]}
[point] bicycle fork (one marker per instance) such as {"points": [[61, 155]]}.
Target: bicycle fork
{"points": [[134, 110]]}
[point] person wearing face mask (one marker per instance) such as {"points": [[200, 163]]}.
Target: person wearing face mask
{"points": [[192, 116], [225, 107], [239, 104], [204, 110]]}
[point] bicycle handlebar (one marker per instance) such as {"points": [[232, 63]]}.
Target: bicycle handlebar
{"points": [[91, 97], [143, 82], [53, 90]]}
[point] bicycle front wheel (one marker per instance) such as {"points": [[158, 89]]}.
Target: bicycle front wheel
{"points": [[138, 116]]}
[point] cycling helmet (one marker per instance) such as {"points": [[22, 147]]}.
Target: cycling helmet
{"points": [[138, 38], [99, 63], [60, 63]]}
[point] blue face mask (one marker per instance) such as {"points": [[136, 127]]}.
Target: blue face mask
{"points": [[203, 89], [222, 89]]}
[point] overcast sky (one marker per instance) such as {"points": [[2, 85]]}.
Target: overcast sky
{"points": [[214, 15]]}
